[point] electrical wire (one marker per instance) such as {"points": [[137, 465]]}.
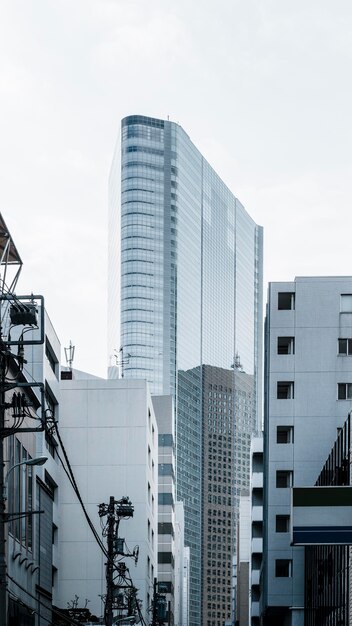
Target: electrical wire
{"points": [[72, 479], [67, 619], [30, 609]]}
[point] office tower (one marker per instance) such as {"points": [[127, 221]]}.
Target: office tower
{"points": [[185, 290], [214, 447], [308, 393]]}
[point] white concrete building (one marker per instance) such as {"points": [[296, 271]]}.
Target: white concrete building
{"points": [[250, 547], [243, 559], [181, 617], [111, 436], [164, 412], [32, 545], [256, 528], [308, 395]]}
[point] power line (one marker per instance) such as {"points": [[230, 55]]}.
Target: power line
{"points": [[72, 480], [69, 620]]}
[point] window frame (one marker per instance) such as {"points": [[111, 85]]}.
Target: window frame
{"points": [[289, 430], [283, 563], [280, 474], [282, 518], [290, 343], [286, 297], [289, 385], [344, 391], [348, 351]]}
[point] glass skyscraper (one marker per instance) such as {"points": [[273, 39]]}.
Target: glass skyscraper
{"points": [[185, 291]]}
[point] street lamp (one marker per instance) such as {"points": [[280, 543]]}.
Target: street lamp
{"points": [[39, 460]]}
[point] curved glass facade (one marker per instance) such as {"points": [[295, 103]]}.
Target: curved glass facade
{"points": [[190, 296]]}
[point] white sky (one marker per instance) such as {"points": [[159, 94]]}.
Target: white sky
{"points": [[263, 88]]}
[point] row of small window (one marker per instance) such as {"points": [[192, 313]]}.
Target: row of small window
{"points": [[219, 489], [286, 390], [286, 301], [286, 345], [219, 500]]}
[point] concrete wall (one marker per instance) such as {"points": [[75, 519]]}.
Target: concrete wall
{"points": [[111, 437]]}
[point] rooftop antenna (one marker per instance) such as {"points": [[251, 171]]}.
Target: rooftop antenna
{"points": [[237, 365], [121, 359], [69, 355]]}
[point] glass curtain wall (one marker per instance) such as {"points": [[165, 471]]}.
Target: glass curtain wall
{"points": [[190, 295]]}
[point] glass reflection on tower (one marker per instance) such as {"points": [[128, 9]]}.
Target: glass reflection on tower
{"points": [[185, 276]]}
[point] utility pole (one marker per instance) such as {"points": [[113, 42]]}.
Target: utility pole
{"points": [[22, 311], [159, 613], [110, 562], [155, 604], [3, 579], [120, 591]]}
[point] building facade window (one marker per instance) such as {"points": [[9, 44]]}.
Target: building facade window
{"points": [[20, 493], [344, 391], [286, 300], [166, 558], [166, 528], [166, 498], [284, 479], [166, 469], [283, 568], [282, 523], [346, 303], [345, 347], [52, 360], [285, 390], [285, 345], [284, 434]]}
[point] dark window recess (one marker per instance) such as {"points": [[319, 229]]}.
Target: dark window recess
{"points": [[286, 300], [50, 443], [51, 484], [345, 346], [165, 528], [283, 568], [50, 355], [284, 434], [285, 390], [166, 557], [50, 400], [285, 345], [282, 523], [283, 479], [344, 391], [166, 498]]}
